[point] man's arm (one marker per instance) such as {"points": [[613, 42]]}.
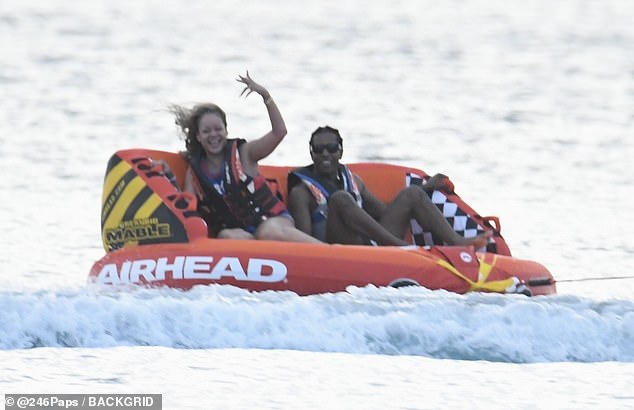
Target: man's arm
{"points": [[299, 204]]}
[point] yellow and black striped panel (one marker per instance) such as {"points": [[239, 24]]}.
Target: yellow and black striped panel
{"points": [[132, 213]]}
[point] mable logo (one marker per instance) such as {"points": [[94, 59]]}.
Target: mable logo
{"points": [[192, 267], [136, 230]]}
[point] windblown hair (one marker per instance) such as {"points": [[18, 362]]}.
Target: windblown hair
{"points": [[188, 119], [327, 129]]}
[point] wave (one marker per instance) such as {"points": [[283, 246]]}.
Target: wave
{"points": [[405, 321]]}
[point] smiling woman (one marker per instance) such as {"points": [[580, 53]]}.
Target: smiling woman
{"points": [[234, 198]]}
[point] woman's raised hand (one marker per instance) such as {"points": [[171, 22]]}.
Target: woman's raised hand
{"points": [[251, 86]]}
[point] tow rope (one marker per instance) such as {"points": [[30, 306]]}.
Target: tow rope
{"points": [[588, 279]]}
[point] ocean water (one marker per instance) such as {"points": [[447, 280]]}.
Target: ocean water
{"points": [[527, 106]]}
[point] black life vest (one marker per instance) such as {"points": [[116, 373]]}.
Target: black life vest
{"points": [[321, 190]]}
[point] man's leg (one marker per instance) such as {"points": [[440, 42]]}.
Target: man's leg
{"points": [[413, 202], [349, 224]]}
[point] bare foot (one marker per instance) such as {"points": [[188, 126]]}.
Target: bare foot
{"points": [[481, 240]]}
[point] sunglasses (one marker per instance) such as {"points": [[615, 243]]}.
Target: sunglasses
{"points": [[319, 148]]}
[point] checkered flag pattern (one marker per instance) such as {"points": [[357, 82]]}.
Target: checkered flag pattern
{"points": [[461, 222]]}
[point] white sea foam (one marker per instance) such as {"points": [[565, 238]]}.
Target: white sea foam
{"points": [[412, 321]]}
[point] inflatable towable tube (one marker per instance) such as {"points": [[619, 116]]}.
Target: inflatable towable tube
{"points": [[141, 206], [154, 236]]}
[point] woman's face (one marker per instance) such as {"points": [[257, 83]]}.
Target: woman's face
{"points": [[212, 133]]}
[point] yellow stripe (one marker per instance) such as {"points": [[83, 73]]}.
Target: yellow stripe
{"points": [[148, 208], [127, 196], [113, 176], [485, 268], [455, 271], [499, 286]]}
